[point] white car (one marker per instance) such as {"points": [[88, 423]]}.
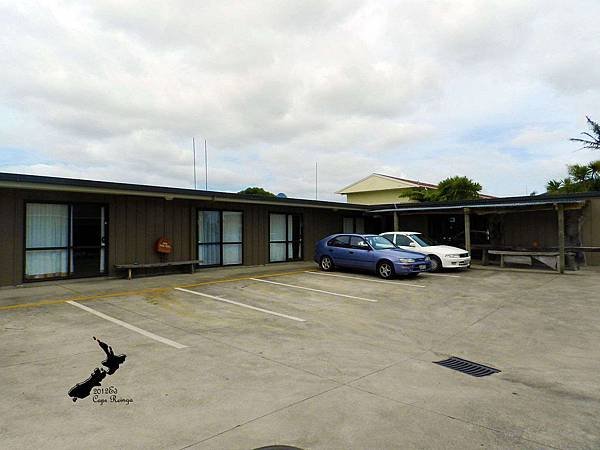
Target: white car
{"points": [[442, 256]]}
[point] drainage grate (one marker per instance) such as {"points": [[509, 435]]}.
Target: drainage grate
{"points": [[468, 367]]}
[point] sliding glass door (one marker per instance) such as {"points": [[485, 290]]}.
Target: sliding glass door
{"points": [[64, 240], [285, 237], [46, 241], [219, 237]]}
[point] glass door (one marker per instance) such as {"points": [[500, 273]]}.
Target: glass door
{"points": [[88, 240], [63, 240]]}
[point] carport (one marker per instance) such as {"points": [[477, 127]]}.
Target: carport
{"points": [[561, 225]]}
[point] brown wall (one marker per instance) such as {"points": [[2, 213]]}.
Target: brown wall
{"points": [[591, 230], [136, 222], [522, 229]]}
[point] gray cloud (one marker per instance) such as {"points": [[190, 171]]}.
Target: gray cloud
{"points": [[116, 89]]}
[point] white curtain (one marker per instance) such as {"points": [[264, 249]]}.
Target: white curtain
{"points": [[277, 252], [232, 254], [209, 254], [277, 229], [232, 232], [47, 225], [209, 237], [278, 232]]}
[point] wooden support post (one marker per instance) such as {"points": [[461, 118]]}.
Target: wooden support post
{"points": [[396, 222], [560, 210], [467, 230]]}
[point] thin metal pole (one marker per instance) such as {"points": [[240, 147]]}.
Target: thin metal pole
{"points": [[205, 167], [194, 146], [316, 180]]}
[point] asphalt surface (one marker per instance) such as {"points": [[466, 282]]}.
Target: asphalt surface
{"points": [[243, 357]]}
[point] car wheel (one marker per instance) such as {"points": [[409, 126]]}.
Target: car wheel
{"points": [[436, 264], [385, 270], [326, 264]]}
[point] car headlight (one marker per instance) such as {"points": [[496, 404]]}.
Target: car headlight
{"points": [[406, 260], [452, 256]]}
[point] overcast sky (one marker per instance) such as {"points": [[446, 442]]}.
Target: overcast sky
{"points": [[115, 90]]}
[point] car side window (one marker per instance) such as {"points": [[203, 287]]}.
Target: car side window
{"points": [[358, 243], [390, 237], [339, 241], [402, 240]]}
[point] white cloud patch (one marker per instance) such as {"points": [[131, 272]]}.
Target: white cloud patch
{"points": [[115, 90]]}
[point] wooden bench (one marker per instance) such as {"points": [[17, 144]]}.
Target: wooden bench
{"points": [[131, 267], [529, 254]]}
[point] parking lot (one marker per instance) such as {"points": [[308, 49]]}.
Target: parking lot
{"points": [[244, 357]]}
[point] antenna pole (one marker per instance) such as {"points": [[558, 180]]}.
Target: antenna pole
{"points": [[194, 147], [205, 167], [316, 180]]}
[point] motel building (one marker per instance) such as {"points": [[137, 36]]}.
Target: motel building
{"points": [[59, 228]]}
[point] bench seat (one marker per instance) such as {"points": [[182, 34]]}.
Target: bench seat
{"points": [[131, 267]]}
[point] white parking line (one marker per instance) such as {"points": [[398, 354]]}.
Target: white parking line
{"points": [[366, 279], [316, 290], [129, 326], [221, 299], [441, 275]]}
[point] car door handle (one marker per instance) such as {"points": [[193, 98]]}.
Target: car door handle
{"points": [[351, 252]]}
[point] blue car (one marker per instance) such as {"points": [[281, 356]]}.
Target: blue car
{"points": [[369, 252]]}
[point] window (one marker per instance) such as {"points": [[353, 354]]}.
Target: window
{"points": [[285, 237], [402, 240], [340, 241], [380, 243], [219, 238], [389, 236], [63, 240], [358, 243], [354, 225]]}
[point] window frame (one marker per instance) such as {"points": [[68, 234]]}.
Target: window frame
{"points": [[70, 247], [221, 242], [287, 242]]}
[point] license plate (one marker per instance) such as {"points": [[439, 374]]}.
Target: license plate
{"points": [[422, 267]]}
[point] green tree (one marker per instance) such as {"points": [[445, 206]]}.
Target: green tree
{"points": [[257, 191], [582, 178], [592, 141], [453, 188]]}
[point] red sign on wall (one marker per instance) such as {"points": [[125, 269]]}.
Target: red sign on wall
{"points": [[163, 245]]}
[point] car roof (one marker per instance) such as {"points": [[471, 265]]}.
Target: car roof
{"points": [[403, 232]]}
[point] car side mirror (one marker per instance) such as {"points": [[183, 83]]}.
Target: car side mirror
{"points": [[412, 244]]}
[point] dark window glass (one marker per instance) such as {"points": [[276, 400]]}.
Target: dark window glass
{"points": [[402, 240], [340, 241], [358, 243]]}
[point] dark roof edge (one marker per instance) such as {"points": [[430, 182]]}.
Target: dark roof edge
{"points": [[528, 199], [109, 185]]}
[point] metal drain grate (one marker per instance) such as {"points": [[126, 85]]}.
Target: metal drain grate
{"points": [[468, 367]]}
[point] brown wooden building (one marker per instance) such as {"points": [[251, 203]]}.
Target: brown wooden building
{"points": [[52, 228]]}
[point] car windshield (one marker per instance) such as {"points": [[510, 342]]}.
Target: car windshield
{"points": [[379, 242], [422, 240]]}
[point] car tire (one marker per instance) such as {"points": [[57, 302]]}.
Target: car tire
{"points": [[326, 264], [436, 263], [385, 270]]}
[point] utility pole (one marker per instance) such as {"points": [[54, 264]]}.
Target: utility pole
{"points": [[194, 147], [316, 180]]}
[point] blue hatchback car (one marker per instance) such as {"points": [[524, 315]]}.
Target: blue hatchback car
{"points": [[369, 252]]}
